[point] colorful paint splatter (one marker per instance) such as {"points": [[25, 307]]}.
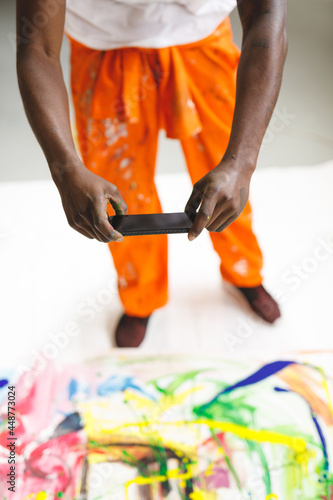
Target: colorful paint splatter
{"points": [[147, 428]]}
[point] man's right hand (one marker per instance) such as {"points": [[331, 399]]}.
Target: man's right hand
{"points": [[85, 197]]}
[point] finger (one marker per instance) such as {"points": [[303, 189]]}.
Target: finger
{"points": [[202, 218], [193, 201], [229, 214], [86, 222], [102, 224], [77, 222], [226, 223], [117, 202], [91, 226], [88, 225], [221, 218]]}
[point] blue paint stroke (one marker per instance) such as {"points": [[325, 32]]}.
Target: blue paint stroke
{"points": [[72, 423], [3, 383], [261, 374], [315, 421], [6, 378], [322, 439], [72, 388], [75, 387], [117, 383]]}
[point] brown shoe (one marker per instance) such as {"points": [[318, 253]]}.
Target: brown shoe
{"points": [[262, 303], [131, 331]]}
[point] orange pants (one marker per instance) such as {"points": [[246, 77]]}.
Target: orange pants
{"points": [[122, 98]]}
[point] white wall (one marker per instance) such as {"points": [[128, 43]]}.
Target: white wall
{"points": [[305, 102]]}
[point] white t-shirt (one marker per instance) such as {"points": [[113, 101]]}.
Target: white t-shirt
{"points": [[111, 24]]}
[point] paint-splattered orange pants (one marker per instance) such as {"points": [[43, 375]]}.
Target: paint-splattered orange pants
{"points": [[122, 98]]}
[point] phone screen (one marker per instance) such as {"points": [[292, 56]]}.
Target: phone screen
{"points": [[138, 224]]}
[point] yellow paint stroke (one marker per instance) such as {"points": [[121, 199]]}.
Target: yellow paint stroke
{"points": [[203, 495], [96, 429], [164, 404], [179, 449], [140, 401], [169, 400], [96, 458], [42, 495], [304, 457], [271, 496], [209, 470], [172, 474], [297, 443]]}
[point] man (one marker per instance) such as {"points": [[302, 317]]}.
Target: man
{"points": [[142, 65]]}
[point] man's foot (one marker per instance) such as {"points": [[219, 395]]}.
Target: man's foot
{"points": [[262, 303], [130, 331]]}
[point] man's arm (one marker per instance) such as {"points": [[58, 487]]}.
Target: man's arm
{"points": [[224, 191], [84, 195]]}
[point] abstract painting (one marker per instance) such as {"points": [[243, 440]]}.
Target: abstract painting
{"points": [[153, 427]]}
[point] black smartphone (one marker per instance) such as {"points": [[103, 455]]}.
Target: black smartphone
{"points": [[138, 224]]}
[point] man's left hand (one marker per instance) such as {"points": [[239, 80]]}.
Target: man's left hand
{"points": [[223, 194]]}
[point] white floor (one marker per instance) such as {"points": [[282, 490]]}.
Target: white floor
{"points": [[52, 279], [58, 289]]}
